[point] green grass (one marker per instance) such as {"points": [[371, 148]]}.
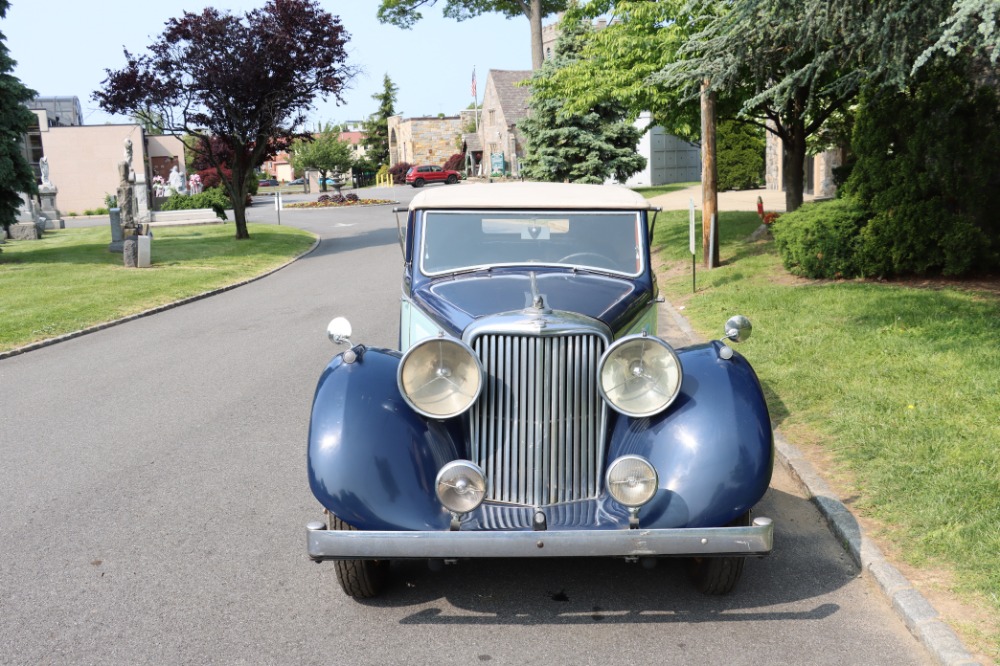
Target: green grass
{"points": [[68, 280], [901, 386], [657, 190]]}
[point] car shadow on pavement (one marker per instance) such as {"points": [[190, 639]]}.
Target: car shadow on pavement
{"points": [[339, 244], [807, 564]]}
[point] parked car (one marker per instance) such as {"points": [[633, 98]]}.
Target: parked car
{"points": [[268, 182], [531, 410], [417, 176], [297, 181]]}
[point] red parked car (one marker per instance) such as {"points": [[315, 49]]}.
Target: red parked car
{"points": [[427, 173]]}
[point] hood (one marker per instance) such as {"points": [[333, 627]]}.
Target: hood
{"points": [[457, 302]]}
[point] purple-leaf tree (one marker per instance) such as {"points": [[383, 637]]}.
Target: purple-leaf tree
{"points": [[244, 81]]}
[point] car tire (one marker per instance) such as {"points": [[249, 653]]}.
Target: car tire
{"points": [[419, 182], [359, 579], [452, 179], [717, 576]]}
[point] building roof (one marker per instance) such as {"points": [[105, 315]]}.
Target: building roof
{"points": [[353, 137], [472, 142], [531, 196], [512, 97]]}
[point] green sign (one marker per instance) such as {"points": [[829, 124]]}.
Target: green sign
{"points": [[497, 163]]}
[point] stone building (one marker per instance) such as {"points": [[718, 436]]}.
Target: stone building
{"points": [[818, 177], [505, 103], [430, 140]]}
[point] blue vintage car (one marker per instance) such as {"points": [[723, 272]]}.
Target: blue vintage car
{"points": [[531, 410]]}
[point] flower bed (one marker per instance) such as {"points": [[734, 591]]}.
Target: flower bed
{"points": [[336, 201]]}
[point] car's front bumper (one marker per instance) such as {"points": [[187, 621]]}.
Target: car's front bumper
{"points": [[756, 540]]}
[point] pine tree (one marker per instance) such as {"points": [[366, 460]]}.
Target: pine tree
{"points": [[376, 140], [579, 147], [16, 175]]}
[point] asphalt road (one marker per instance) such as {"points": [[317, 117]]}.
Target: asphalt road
{"points": [[153, 498]]}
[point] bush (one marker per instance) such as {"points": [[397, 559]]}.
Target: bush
{"points": [[398, 172], [456, 162], [214, 198], [821, 240], [927, 167], [739, 156]]}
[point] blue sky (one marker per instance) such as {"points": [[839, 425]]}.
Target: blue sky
{"points": [[62, 48]]}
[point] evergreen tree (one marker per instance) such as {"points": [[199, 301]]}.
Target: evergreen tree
{"points": [[16, 175], [376, 140], [585, 147]]}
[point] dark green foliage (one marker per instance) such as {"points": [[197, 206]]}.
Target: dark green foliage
{"points": [[739, 155], [376, 139], [927, 169], [213, 197], [819, 240], [16, 175], [583, 147]]}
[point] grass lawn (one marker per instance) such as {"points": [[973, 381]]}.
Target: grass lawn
{"points": [[896, 388], [68, 280]]}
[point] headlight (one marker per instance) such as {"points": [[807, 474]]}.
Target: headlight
{"points": [[632, 481], [461, 486], [639, 376], [440, 377]]}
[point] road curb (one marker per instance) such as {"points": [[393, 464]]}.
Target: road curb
{"points": [[160, 308], [916, 612]]}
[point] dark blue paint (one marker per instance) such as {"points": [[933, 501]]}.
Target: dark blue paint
{"points": [[373, 460]]}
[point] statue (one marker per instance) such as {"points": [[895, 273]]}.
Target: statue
{"points": [[176, 181], [43, 165], [126, 195], [128, 150]]}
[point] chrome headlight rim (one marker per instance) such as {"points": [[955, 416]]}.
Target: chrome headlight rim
{"points": [[420, 347], [450, 475], [611, 483], [671, 396]]}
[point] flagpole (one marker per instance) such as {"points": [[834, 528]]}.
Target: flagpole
{"points": [[475, 100]]}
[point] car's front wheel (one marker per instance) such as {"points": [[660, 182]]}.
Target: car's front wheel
{"points": [[718, 575], [360, 579]]}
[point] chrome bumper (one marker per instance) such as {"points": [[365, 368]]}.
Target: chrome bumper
{"points": [[757, 539]]}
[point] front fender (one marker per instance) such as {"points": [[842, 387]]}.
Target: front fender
{"points": [[713, 448], [372, 459]]}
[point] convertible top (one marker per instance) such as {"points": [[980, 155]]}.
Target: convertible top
{"points": [[561, 196]]}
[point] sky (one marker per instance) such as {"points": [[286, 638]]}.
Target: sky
{"points": [[63, 47]]}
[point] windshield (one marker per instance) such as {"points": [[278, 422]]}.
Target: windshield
{"points": [[462, 240]]}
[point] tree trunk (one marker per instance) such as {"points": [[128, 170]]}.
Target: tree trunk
{"points": [[239, 195], [535, 19], [709, 179], [793, 159]]}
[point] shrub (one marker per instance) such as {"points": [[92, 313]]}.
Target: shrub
{"points": [[398, 172], [214, 198], [820, 240], [739, 156], [352, 197], [456, 162], [927, 167]]}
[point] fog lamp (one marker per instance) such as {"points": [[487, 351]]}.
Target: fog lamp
{"points": [[461, 486], [632, 481]]}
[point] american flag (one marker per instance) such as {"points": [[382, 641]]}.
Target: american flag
{"points": [[474, 82]]}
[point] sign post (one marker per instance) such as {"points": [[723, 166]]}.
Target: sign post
{"points": [[277, 205], [691, 244]]}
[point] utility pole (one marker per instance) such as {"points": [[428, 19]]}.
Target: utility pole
{"points": [[709, 180]]}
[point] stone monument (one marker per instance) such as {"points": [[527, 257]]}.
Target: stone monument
{"points": [[47, 195], [126, 204], [29, 223], [176, 181]]}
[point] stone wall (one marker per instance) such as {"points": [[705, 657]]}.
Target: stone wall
{"points": [[424, 140]]}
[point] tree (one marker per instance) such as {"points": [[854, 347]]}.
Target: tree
{"points": [[324, 152], [16, 175], [246, 81], [404, 13], [376, 139], [583, 147], [974, 25]]}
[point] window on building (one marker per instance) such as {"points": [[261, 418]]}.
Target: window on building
{"points": [[493, 116]]}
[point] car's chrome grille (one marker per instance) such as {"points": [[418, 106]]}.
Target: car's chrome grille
{"points": [[538, 428]]}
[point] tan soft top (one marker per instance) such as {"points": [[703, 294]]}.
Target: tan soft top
{"points": [[560, 196]]}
